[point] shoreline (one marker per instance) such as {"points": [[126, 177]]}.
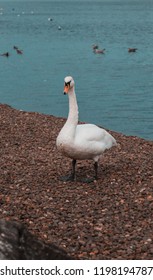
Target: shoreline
{"points": [[110, 218], [80, 121]]}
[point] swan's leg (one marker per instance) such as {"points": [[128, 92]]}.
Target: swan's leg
{"points": [[70, 177], [73, 169], [90, 180], [96, 169]]}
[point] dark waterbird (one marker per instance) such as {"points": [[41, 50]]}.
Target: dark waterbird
{"points": [[97, 51], [132, 50], [18, 51], [7, 54]]}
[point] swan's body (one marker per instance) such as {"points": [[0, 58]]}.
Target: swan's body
{"points": [[81, 141], [89, 142]]}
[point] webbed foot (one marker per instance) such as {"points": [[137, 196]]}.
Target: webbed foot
{"points": [[88, 180], [68, 178]]}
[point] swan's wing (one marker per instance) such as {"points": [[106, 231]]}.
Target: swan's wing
{"points": [[91, 132], [91, 141]]}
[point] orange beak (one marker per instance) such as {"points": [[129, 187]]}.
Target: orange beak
{"points": [[66, 89]]}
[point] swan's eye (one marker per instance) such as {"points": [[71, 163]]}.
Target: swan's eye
{"points": [[67, 84]]}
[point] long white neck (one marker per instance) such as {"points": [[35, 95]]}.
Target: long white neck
{"points": [[69, 129], [73, 115]]}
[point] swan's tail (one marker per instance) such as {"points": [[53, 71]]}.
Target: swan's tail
{"points": [[111, 141], [114, 143]]}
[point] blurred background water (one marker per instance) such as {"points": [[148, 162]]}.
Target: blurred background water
{"points": [[114, 90]]}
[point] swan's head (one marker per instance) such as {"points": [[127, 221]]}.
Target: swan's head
{"points": [[68, 84]]}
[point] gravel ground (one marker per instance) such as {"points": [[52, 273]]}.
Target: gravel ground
{"points": [[111, 218]]}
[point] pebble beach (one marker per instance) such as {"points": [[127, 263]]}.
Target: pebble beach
{"points": [[110, 218]]}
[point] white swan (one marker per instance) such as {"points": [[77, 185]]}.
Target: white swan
{"points": [[81, 141]]}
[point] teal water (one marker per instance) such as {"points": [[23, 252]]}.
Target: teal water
{"points": [[114, 90]]}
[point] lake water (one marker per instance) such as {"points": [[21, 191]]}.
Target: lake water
{"points": [[114, 90]]}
